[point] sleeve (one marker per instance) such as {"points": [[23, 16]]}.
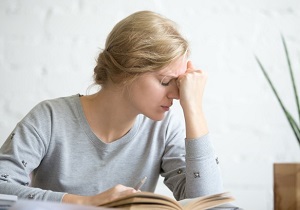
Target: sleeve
{"points": [[189, 166], [20, 155]]}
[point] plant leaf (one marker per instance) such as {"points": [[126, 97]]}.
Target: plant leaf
{"points": [[271, 84], [290, 119], [294, 126], [292, 77]]}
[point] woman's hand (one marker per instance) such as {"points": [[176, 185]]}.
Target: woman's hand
{"points": [[191, 88], [101, 198]]}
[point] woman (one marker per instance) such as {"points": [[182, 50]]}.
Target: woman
{"points": [[91, 149]]}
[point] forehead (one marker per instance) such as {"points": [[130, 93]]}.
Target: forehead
{"points": [[175, 68]]}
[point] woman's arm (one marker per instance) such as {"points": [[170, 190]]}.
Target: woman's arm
{"points": [[191, 88], [15, 178], [198, 174], [203, 174], [23, 153], [20, 154]]}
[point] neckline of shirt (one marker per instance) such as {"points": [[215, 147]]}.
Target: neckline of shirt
{"points": [[98, 142]]}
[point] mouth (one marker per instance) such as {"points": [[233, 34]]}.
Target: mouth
{"points": [[166, 108]]}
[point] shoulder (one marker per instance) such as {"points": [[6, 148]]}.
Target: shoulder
{"points": [[58, 103], [52, 107]]}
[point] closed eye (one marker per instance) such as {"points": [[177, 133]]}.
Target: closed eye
{"points": [[166, 80], [165, 83]]}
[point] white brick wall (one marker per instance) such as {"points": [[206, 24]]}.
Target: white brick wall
{"points": [[48, 48]]}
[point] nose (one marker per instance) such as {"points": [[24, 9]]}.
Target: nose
{"points": [[173, 91]]}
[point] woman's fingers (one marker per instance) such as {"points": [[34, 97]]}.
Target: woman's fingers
{"points": [[191, 86], [111, 194], [190, 65]]}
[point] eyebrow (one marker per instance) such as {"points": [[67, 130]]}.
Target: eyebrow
{"points": [[172, 76]]}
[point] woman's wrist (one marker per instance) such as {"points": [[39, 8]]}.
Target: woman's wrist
{"points": [[195, 123]]}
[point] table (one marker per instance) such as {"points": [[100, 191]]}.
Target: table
{"points": [[46, 205]]}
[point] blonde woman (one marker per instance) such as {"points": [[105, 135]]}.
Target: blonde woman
{"points": [[91, 149]]}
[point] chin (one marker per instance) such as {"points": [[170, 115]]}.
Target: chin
{"points": [[157, 117]]}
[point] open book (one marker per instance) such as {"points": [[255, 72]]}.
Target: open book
{"points": [[148, 200]]}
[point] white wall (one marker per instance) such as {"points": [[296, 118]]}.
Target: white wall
{"points": [[48, 48]]}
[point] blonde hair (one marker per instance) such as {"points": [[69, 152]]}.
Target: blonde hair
{"points": [[142, 42]]}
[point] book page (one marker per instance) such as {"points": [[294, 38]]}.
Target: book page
{"points": [[145, 198], [209, 201]]}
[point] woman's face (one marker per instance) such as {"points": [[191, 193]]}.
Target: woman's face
{"points": [[152, 93]]}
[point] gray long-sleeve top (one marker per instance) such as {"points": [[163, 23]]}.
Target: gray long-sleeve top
{"points": [[53, 151]]}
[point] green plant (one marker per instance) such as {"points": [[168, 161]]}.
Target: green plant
{"points": [[295, 127]]}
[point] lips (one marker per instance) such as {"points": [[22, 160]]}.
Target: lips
{"points": [[166, 107]]}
